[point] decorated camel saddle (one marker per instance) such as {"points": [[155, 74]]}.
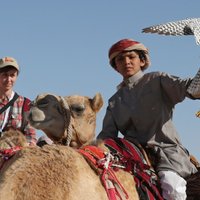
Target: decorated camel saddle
{"points": [[119, 153], [75, 167]]}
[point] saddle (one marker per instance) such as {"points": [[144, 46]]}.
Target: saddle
{"points": [[137, 161], [128, 156]]}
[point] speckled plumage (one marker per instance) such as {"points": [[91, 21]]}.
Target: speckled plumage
{"points": [[190, 26]]}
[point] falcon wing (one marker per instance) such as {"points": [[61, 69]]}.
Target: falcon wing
{"points": [[182, 27], [195, 28]]}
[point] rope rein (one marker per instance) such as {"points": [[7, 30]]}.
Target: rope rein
{"points": [[68, 122]]}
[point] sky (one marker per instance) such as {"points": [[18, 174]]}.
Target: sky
{"points": [[62, 48]]}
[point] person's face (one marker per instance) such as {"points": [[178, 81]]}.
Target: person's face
{"points": [[8, 79], [128, 63]]}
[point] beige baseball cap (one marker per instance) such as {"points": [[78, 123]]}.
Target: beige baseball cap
{"points": [[8, 61]]}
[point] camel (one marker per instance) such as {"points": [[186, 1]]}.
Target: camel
{"points": [[69, 120], [59, 171]]}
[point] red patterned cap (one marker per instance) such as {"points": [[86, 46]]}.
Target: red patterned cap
{"points": [[127, 45]]}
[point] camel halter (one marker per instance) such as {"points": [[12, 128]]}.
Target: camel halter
{"points": [[69, 127], [67, 136]]}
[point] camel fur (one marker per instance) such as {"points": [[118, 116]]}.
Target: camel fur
{"points": [[54, 172], [58, 172], [12, 138]]}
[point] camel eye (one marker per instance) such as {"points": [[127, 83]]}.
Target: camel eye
{"points": [[42, 103], [77, 108]]}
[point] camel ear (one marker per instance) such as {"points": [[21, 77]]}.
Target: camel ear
{"points": [[97, 102]]}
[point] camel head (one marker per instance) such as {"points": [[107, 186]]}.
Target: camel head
{"points": [[69, 120]]}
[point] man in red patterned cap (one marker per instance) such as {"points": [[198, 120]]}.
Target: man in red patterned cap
{"points": [[141, 110]]}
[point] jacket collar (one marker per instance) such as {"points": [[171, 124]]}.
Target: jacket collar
{"points": [[131, 80]]}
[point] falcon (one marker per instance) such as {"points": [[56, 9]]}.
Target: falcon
{"points": [[190, 26]]}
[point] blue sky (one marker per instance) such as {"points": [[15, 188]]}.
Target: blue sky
{"points": [[62, 47]]}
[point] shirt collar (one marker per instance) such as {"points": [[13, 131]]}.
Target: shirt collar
{"points": [[5, 99], [131, 80]]}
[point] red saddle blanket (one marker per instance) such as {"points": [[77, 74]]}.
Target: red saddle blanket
{"points": [[6, 154], [129, 157], [135, 163]]}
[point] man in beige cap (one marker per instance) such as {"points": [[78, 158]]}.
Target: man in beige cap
{"points": [[142, 109], [13, 106]]}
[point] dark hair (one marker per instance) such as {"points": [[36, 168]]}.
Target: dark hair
{"points": [[141, 54], [8, 68]]}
